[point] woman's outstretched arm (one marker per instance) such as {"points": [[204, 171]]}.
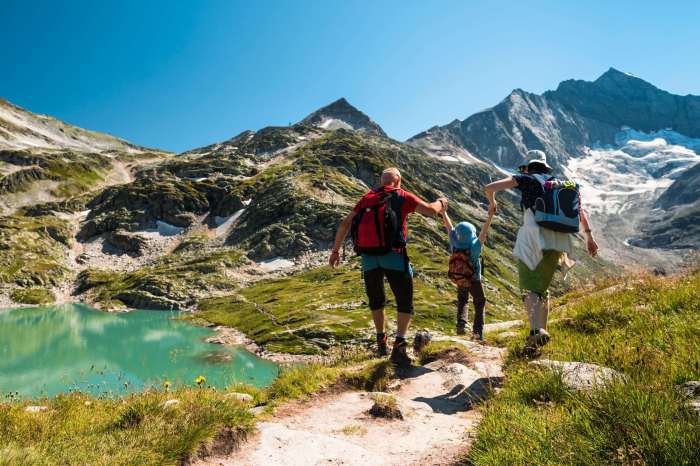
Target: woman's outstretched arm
{"points": [[492, 188], [591, 244]]}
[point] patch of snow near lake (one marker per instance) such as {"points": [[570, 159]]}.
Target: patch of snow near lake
{"points": [[166, 229], [223, 224], [638, 169], [274, 264], [247, 202], [162, 229]]}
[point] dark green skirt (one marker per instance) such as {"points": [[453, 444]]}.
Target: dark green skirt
{"points": [[538, 280]]}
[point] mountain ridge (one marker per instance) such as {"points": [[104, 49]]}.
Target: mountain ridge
{"points": [[23, 129], [566, 121]]}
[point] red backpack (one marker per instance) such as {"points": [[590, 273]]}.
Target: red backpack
{"points": [[378, 228], [461, 270]]}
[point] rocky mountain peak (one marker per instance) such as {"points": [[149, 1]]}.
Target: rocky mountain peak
{"points": [[620, 79], [341, 114]]}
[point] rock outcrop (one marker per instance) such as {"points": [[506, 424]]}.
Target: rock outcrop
{"points": [[581, 375]]}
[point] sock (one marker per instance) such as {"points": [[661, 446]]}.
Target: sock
{"points": [[399, 340], [381, 336], [532, 332]]}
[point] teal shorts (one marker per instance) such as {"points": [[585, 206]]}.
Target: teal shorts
{"points": [[389, 261]]}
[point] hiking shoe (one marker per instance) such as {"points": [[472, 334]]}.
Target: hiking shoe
{"points": [[541, 337], [399, 356], [461, 328], [531, 341], [382, 347]]}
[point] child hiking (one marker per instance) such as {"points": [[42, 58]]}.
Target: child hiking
{"points": [[465, 271], [552, 212]]}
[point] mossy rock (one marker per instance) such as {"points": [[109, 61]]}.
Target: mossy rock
{"points": [[33, 295]]}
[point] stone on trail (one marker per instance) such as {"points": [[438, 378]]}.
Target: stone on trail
{"points": [[496, 326], [581, 376], [257, 410]]}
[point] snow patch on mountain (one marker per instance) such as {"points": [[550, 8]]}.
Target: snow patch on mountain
{"points": [[334, 123], [638, 170]]}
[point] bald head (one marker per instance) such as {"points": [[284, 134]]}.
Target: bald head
{"points": [[391, 177]]}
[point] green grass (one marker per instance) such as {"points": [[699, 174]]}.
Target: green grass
{"points": [[647, 328], [374, 376], [138, 429], [77, 429], [33, 295], [444, 350]]}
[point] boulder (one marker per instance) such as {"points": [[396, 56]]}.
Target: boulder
{"points": [[691, 390], [138, 299], [257, 410], [36, 409], [242, 397], [171, 403], [126, 241], [581, 375]]}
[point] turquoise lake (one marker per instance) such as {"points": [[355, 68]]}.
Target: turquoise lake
{"points": [[50, 350]]}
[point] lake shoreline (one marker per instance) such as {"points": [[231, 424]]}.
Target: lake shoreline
{"points": [[227, 336], [76, 347]]}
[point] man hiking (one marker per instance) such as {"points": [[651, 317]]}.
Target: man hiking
{"points": [[379, 234], [551, 213]]}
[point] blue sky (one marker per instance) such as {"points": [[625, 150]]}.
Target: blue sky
{"points": [[178, 75]]}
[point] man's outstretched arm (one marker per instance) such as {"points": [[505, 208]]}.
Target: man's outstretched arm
{"points": [[340, 236], [431, 209]]}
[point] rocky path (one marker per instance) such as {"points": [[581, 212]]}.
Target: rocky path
{"points": [[437, 401]]}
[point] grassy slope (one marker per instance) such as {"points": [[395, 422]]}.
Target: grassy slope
{"points": [[305, 312], [139, 429], [647, 328]]}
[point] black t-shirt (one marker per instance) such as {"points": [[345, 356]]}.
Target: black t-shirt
{"points": [[530, 189]]}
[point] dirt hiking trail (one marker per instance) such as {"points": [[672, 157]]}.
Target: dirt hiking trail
{"points": [[437, 402]]}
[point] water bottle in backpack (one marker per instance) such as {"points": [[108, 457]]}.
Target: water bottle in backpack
{"points": [[558, 206]]}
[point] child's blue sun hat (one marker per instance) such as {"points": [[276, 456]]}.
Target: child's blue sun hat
{"points": [[463, 235]]}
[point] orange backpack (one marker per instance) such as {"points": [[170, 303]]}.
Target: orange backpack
{"points": [[461, 270]]}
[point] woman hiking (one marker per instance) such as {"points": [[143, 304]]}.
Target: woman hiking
{"points": [[540, 249]]}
